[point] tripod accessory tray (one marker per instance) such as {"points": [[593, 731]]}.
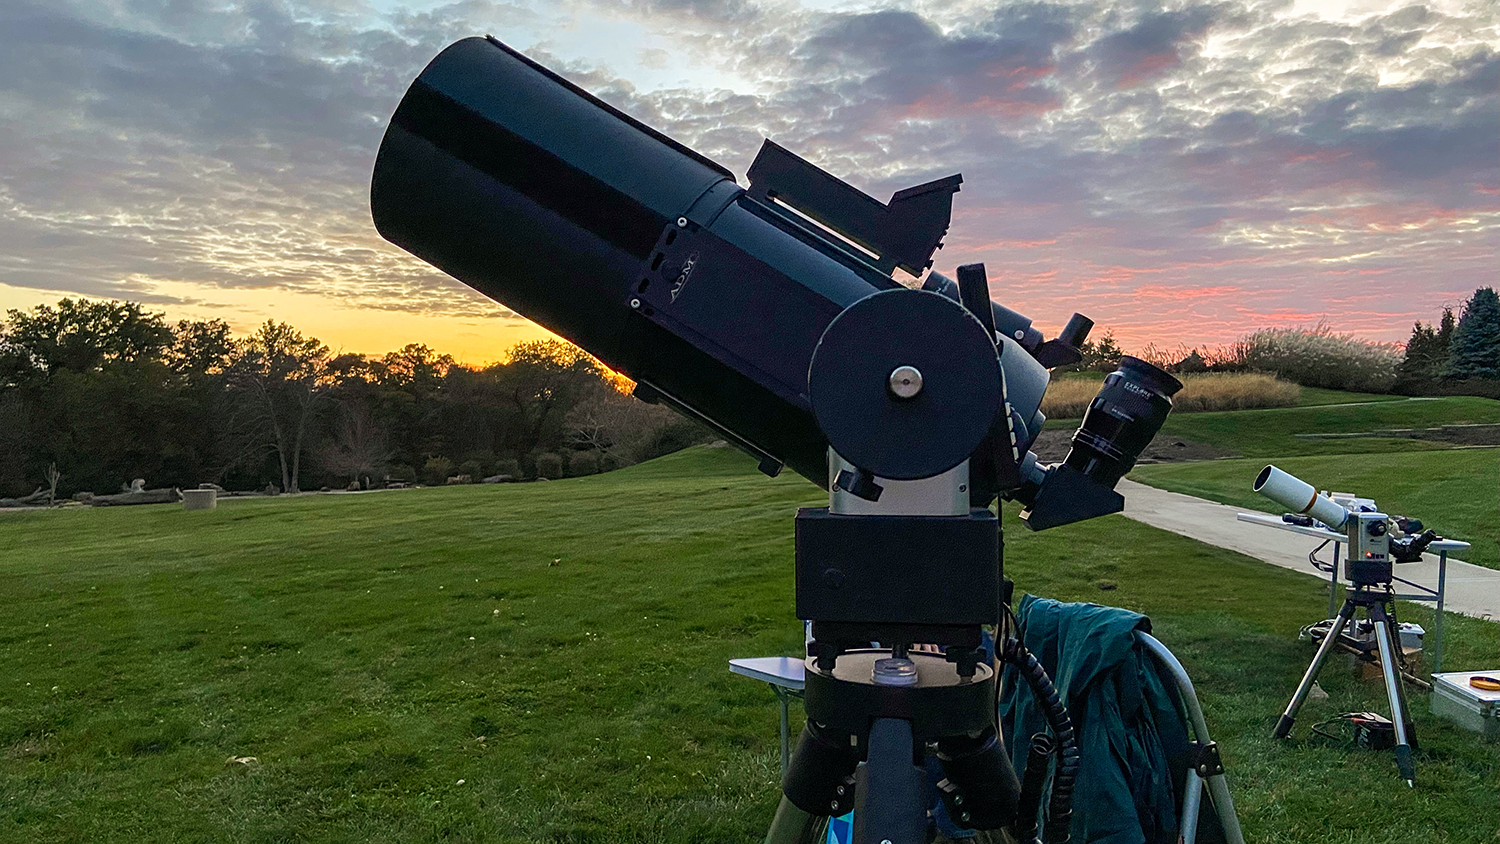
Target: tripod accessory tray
{"points": [[943, 703], [1476, 710]]}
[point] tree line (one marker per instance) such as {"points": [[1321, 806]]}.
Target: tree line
{"points": [[1468, 347], [104, 392]]}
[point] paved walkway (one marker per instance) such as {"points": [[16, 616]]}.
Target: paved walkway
{"points": [[1472, 590]]}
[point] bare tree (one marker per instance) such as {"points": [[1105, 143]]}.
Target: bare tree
{"points": [[281, 378], [616, 425], [53, 476], [360, 446]]}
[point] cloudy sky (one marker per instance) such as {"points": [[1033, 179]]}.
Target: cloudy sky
{"points": [[1180, 172]]}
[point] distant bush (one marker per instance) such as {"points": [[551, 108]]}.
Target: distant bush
{"points": [[549, 466], [1320, 358], [436, 470], [1233, 391], [1068, 398], [508, 466], [473, 468], [401, 473], [583, 463]]}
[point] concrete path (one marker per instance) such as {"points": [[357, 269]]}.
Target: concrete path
{"points": [[1472, 590]]}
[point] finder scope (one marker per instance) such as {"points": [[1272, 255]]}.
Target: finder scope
{"points": [[714, 298]]}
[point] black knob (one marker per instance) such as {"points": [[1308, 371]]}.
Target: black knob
{"points": [[974, 292], [1076, 331], [1377, 528]]}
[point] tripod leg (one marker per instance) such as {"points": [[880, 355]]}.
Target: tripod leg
{"points": [[1394, 692], [1284, 726], [794, 826], [1401, 670], [891, 801]]}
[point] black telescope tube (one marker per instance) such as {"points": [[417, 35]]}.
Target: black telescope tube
{"points": [[561, 207]]}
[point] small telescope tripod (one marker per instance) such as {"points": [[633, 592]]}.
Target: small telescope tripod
{"points": [[1379, 605]]}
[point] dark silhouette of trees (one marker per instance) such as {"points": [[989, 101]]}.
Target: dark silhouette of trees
{"points": [[110, 392], [1427, 350]]}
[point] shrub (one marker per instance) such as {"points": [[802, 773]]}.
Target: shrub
{"points": [[549, 466], [473, 468], [401, 473], [508, 466], [583, 463], [1320, 358], [436, 470], [1068, 398], [1233, 391]]}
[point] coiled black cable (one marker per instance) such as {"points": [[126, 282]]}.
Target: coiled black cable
{"points": [[1057, 830], [1038, 760]]}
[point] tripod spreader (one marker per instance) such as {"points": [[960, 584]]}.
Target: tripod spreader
{"points": [[852, 718]]}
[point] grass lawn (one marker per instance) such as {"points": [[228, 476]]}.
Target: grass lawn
{"points": [[1313, 396], [546, 662], [1455, 492], [1272, 432]]}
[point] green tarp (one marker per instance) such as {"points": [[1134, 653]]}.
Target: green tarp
{"points": [[1131, 731]]}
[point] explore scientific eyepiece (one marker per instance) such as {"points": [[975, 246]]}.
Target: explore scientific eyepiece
{"points": [[1120, 422]]}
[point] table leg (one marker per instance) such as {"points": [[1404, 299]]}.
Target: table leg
{"points": [[1437, 621], [1333, 584], [781, 697]]}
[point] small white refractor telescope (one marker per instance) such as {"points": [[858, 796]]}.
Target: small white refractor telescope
{"points": [[1372, 550], [1369, 559], [1298, 496]]}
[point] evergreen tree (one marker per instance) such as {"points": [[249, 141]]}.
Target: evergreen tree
{"points": [[1445, 334], [1475, 351], [1425, 353]]}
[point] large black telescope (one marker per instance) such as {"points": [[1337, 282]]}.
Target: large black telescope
{"points": [[714, 298], [771, 313]]}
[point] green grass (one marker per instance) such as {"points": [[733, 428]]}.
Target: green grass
{"points": [[1314, 396], [561, 648], [1272, 432], [1456, 492]]}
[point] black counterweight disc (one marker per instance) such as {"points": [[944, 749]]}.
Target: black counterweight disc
{"points": [[866, 422]]}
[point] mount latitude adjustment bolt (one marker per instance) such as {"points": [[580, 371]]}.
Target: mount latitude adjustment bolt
{"points": [[905, 382]]}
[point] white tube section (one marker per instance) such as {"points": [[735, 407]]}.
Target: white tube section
{"points": [[1299, 497]]}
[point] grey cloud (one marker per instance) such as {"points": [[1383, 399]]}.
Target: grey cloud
{"points": [[1101, 148], [1151, 46]]}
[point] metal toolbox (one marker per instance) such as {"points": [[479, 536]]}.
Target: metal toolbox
{"points": [[1473, 709]]}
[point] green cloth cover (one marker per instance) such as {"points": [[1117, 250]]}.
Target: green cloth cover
{"points": [[1129, 721]]}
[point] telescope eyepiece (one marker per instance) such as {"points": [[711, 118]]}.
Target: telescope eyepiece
{"points": [[1121, 420]]}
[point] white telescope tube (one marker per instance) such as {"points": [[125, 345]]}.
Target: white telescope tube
{"points": [[1299, 497]]}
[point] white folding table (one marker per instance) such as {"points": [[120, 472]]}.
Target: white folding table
{"points": [[1441, 547], [785, 675]]}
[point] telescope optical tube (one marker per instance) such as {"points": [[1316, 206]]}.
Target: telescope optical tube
{"points": [[629, 244], [1299, 497]]}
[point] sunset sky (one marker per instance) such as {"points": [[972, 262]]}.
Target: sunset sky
{"points": [[1181, 173]]}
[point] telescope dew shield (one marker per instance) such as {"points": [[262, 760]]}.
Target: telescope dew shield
{"points": [[506, 176], [1299, 497]]}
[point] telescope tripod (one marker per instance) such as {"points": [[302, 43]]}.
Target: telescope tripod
{"points": [[1379, 607]]}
